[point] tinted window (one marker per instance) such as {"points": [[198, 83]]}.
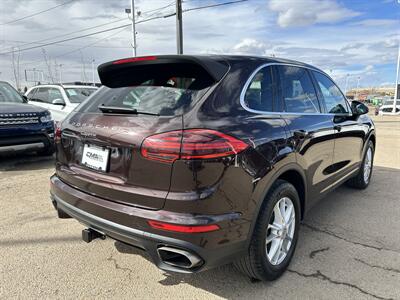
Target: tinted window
{"points": [[165, 97], [390, 102], [297, 90], [54, 94], [42, 95], [9, 94], [31, 94], [260, 95], [77, 95], [334, 100]]}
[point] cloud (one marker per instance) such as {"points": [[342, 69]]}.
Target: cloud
{"points": [[359, 59], [388, 84], [352, 46], [376, 22], [392, 43], [100, 16], [308, 12], [377, 50], [324, 58], [251, 46], [369, 68]]}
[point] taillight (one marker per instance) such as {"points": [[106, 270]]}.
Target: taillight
{"points": [[190, 144], [183, 228], [57, 133]]}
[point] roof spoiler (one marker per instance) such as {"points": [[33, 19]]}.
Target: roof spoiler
{"points": [[136, 70]]}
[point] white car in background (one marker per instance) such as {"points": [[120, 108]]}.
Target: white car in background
{"points": [[60, 100], [387, 107]]}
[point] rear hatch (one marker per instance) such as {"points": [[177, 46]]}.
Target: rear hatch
{"points": [[99, 145]]}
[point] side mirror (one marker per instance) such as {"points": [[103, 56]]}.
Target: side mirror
{"points": [[24, 98], [58, 102], [358, 108]]}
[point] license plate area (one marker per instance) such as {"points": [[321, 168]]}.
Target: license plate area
{"points": [[95, 157]]}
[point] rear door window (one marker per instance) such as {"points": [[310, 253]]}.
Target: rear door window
{"points": [[42, 95], [163, 96], [298, 91]]}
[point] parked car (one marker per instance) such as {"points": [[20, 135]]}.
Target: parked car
{"points": [[206, 160], [387, 107], [23, 127], [60, 100]]}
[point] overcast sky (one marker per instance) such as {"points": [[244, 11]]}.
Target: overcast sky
{"points": [[356, 37]]}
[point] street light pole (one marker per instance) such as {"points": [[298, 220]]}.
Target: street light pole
{"points": [[93, 72], [60, 65], [179, 31], [133, 27], [396, 87]]}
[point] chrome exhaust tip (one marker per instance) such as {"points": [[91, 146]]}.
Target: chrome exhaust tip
{"points": [[178, 257]]}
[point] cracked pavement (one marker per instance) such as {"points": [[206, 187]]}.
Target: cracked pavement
{"points": [[349, 245]]}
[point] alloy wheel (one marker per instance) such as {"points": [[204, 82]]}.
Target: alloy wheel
{"points": [[368, 165], [280, 231]]}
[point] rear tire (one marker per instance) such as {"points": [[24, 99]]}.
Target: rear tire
{"points": [[261, 262], [363, 177]]}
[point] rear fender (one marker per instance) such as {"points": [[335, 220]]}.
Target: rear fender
{"points": [[263, 188]]}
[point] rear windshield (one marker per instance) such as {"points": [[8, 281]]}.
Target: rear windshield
{"points": [[77, 95], [166, 97]]}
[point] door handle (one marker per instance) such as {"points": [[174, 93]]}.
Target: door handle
{"points": [[300, 134], [338, 128]]}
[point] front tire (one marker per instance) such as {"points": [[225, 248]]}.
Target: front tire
{"points": [[275, 234], [363, 177]]}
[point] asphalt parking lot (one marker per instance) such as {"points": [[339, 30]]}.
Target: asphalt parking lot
{"points": [[349, 245]]}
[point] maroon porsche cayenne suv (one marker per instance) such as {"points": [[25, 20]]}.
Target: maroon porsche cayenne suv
{"points": [[206, 160]]}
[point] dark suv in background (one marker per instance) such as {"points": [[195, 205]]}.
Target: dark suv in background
{"points": [[23, 127], [206, 160]]}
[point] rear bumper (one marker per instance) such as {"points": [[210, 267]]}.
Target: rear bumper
{"points": [[129, 225]]}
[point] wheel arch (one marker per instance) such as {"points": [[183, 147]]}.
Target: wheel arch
{"points": [[296, 179], [292, 173], [370, 137]]}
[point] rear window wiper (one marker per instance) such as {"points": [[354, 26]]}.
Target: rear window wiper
{"points": [[123, 110]]}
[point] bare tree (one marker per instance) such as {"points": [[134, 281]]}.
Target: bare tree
{"points": [[15, 65], [83, 67], [48, 65]]}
